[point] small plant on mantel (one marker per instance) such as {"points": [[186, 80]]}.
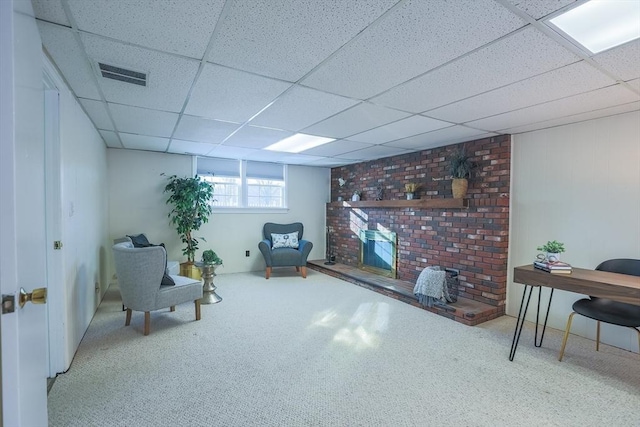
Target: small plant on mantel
{"points": [[410, 188]]}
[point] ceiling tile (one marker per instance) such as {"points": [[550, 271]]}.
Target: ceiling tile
{"points": [[199, 129], [260, 35], [623, 61], [519, 56], [374, 152], [165, 25], [563, 82], [70, 59], [256, 137], [446, 136], [230, 95], [265, 156], [179, 146], [169, 77], [583, 103], [635, 84], [401, 129], [540, 8], [51, 11], [143, 121], [611, 111], [358, 119], [97, 112], [331, 162], [301, 107], [413, 38], [144, 142], [228, 152], [335, 148], [110, 138]]}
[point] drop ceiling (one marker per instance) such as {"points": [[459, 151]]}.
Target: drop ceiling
{"points": [[383, 77]]}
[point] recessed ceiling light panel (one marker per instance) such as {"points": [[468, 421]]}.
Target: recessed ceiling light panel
{"points": [[598, 25], [298, 143]]}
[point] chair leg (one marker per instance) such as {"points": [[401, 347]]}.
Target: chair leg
{"points": [[127, 321], [304, 272], [566, 335], [147, 321], [268, 274], [598, 336], [172, 308], [197, 302]]}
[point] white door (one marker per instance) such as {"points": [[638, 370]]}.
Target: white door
{"points": [[22, 220]]}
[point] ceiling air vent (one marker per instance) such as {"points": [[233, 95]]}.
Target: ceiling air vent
{"points": [[122, 74]]}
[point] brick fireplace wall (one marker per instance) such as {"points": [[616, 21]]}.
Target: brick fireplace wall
{"points": [[474, 239]]}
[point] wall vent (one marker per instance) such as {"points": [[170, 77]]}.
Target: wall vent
{"points": [[122, 74]]}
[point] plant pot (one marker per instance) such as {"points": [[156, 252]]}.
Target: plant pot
{"points": [[189, 269], [459, 187], [552, 256], [355, 198], [409, 196]]}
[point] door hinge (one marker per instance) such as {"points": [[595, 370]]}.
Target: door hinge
{"points": [[8, 304], [57, 245]]}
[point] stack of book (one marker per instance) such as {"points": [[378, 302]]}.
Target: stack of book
{"points": [[554, 267]]}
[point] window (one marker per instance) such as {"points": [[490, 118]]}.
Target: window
{"points": [[244, 184]]}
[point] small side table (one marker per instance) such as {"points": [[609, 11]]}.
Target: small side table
{"points": [[209, 295]]}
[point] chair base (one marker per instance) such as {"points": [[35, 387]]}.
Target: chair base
{"points": [[302, 270], [147, 316]]}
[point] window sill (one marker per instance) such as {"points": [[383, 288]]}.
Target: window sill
{"points": [[222, 210]]}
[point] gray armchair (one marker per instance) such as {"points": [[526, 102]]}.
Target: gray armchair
{"points": [[285, 256], [140, 272]]}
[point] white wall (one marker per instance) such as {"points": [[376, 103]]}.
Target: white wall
{"points": [[84, 218], [578, 184], [137, 205]]}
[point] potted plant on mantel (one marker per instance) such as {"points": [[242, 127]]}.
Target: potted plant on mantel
{"points": [[460, 166], [191, 199]]}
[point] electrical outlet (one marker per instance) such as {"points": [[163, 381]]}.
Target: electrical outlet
{"points": [[246, 253]]}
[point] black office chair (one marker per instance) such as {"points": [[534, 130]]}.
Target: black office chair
{"points": [[606, 310]]}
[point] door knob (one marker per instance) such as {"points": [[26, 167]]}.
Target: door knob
{"points": [[38, 296]]}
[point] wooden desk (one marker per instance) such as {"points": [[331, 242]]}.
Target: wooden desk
{"points": [[618, 287]]}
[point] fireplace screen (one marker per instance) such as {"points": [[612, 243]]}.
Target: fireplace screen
{"points": [[378, 252]]}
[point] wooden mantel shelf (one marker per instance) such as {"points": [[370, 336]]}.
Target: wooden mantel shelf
{"points": [[448, 203]]}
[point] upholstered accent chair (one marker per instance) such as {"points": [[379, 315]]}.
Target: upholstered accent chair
{"points": [[283, 247], [606, 310], [140, 272]]}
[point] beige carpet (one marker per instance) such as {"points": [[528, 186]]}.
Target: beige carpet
{"points": [[322, 352]]}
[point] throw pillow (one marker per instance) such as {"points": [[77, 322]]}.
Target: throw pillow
{"points": [[289, 240], [139, 241]]}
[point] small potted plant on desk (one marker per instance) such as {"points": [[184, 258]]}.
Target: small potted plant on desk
{"points": [[553, 249], [210, 261]]}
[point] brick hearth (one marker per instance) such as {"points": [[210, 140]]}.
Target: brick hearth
{"points": [[472, 238], [465, 311]]}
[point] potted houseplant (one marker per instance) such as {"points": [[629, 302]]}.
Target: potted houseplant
{"points": [[356, 195], [460, 166], [553, 249], [210, 261], [191, 199], [410, 189]]}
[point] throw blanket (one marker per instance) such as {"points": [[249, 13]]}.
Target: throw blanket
{"points": [[431, 287]]}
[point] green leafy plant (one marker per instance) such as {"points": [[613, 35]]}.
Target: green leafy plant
{"points": [[460, 164], [191, 199], [552, 247], [210, 257]]}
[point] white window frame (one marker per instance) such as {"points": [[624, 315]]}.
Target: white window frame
{"points": [[243, 197]]}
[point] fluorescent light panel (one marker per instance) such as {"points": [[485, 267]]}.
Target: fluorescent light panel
{"points": [[298, 142], [601, 24]]}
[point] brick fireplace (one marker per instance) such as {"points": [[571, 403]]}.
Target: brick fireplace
{"points": [[472, 239]]}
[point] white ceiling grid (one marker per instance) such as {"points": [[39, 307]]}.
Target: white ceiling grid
{"points": [[227, 78]]}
